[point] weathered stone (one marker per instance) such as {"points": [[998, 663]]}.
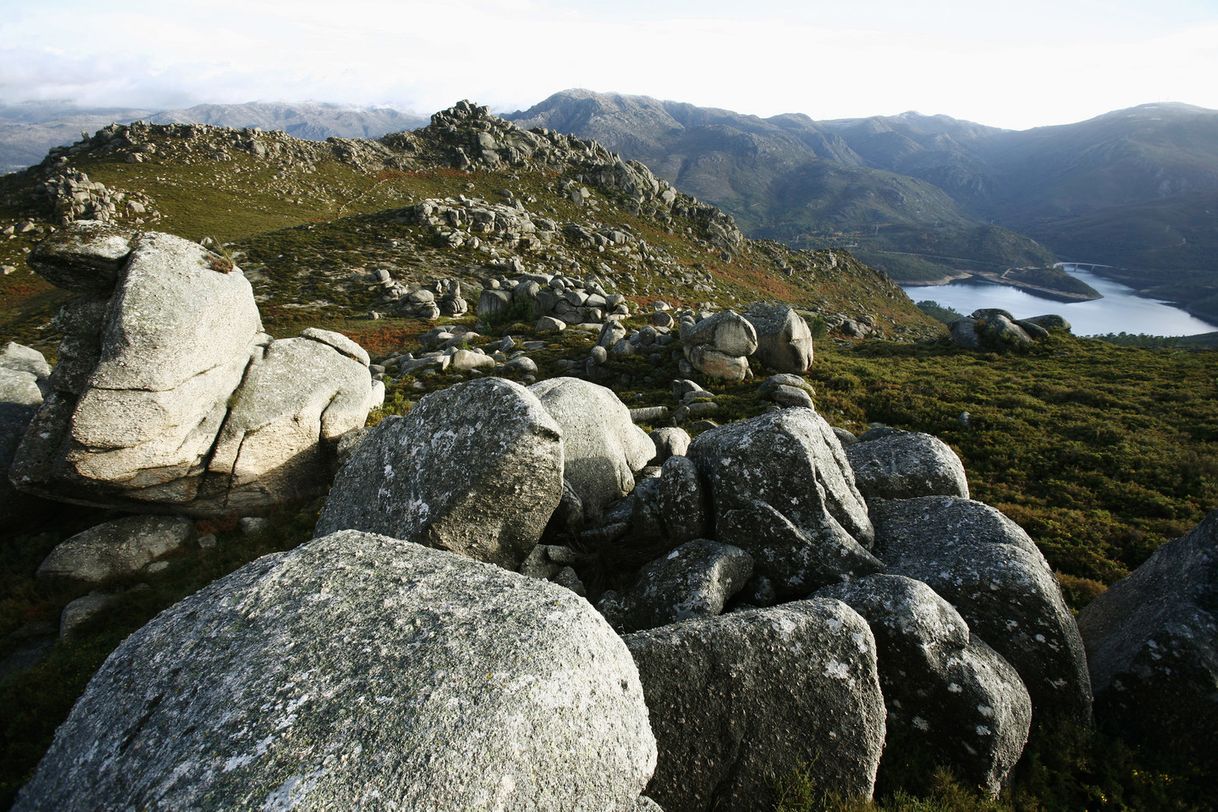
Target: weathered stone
{"points": [[905, 465], [694, 580], [279, 439], [82, 610], [358, 671], [952, 700], [602, 448], [683, 501], [988, 568], [784, 342], [795, 559], [23, 377], [476, 468], [85, 258], [116, 549], [548, 325], [727, 331], [740, 701], [1152, 646], [789, 459], [466, 360], [670, 441]]}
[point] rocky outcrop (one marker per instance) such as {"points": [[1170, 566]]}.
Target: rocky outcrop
{"points": [[992, 573], [906, 464], [359, 671], [602, 448], [168, 395], [742, 701], [23, 380], [998, 331], [718, 346], [531, 297], [952, 701], [784, 341], [476, 469], [118, 549], [1152, 647]]}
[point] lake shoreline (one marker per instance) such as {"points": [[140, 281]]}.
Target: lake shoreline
{"points": [[1063, 296], [1122, 308]]}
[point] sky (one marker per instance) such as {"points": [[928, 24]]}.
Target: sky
{"points": [[1008, 64]]}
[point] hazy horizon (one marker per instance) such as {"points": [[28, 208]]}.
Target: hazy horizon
{"points": [[1043, 64]]}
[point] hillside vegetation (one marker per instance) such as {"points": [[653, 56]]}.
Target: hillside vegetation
{"points": [[920, 196], [304, 217]]}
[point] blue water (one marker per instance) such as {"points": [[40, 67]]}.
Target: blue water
{"points": [[1121, 310]]}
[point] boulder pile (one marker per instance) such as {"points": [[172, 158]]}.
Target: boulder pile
{"points": [[784, 607], [999, 331], [552, 301], [168, 395]]}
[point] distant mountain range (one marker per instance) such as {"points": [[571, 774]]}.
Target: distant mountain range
{"points": [[921, 197], [28, 130]]}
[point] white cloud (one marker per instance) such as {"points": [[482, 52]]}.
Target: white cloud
{"points": [[1049, 63]]}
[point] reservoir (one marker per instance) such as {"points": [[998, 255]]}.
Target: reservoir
{"points": [[1121, 310]]}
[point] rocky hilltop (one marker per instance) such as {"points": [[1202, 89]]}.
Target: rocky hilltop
{"points": [[469, 195]]}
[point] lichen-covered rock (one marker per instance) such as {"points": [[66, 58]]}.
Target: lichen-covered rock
{"points": [[602, 447], [694, 580], [476, 469], [1152, 646], [116, 549], [741, 701], [796, 560], [988, 568], [784, 341], [789, 459], [684, 506], [905, 465], [358, 671], [952, 700]]}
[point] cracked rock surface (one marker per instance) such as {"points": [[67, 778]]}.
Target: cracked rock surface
{"points": [[165, 378]]}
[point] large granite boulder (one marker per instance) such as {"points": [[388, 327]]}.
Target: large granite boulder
{"points": [[905, 465], [782, 489], [359, 671], [476, 469], [116, 549], [718, 346], [23, 379], [299, 397], [991, 572], [784, 341], [952, 700], [154, 358], [742, 701], [602, 447], [1152, 646]]}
